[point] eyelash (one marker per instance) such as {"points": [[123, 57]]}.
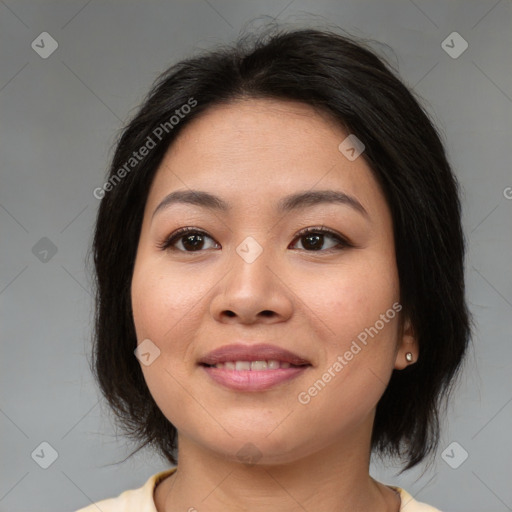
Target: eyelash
{"points": [[167, 243]]}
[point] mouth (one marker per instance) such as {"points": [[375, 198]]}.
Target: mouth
{"points": [[252, 368]]}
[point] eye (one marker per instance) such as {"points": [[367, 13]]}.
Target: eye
{"points": [[190, 238], [315, 238]]}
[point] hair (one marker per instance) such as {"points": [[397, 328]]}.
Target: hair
{"points": [[343, 78]]}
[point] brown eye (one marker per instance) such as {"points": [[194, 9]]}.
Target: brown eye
{"points": [[314, 239], [191, 240]]}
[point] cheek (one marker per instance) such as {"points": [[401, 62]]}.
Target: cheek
{"points": [[159, 305], [356, 367], [160, 298], [354, 298], [361, 308]]}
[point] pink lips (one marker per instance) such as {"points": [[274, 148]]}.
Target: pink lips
{"points": [[252, 380]]}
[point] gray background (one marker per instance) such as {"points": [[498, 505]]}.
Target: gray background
{"points": [[60, 116]]}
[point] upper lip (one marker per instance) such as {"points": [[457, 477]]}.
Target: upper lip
{"points": [[260, 352]]}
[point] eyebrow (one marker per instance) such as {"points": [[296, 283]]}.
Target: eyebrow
{"points": [[286, 204]]}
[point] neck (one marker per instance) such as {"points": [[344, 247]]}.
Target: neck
{"points": [[333, 478]]}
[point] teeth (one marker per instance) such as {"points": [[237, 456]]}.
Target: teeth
{"points": [[271, 364], [259, 365]]}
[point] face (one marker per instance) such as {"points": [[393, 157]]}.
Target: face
{"points": [[248, 275]]}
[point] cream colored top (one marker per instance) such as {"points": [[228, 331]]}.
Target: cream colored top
{"points": [[141, 499]]}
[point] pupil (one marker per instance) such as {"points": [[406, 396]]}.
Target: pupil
{"points": [[316, 245], [187, 240]]}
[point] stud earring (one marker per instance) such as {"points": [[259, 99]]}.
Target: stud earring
{"points": [[408, 357]]}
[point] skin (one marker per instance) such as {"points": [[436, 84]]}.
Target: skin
{"points": [[312, 456]]}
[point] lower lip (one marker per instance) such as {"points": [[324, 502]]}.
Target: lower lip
{"points": [[253, 380]]}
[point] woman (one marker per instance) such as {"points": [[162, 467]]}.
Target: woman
{"points": [[280, 282]]}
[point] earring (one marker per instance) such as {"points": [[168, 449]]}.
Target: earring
{"points": [[408, 357]]}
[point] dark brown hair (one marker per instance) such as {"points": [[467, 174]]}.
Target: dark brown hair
{"points": [[345, 79]]}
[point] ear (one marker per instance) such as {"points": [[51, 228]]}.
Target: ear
{"points": [[407, 344]]}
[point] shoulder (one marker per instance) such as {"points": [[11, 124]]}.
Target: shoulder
{"points": [[136, 500], [409, 504]]}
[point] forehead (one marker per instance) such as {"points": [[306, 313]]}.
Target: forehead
{"points": [[255, 151], [257, 127]]}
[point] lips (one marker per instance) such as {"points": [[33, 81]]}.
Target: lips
{"points": [[250, 353], [251, 368]]}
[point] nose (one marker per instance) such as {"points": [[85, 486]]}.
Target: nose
{"points": [[253, 291]]}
